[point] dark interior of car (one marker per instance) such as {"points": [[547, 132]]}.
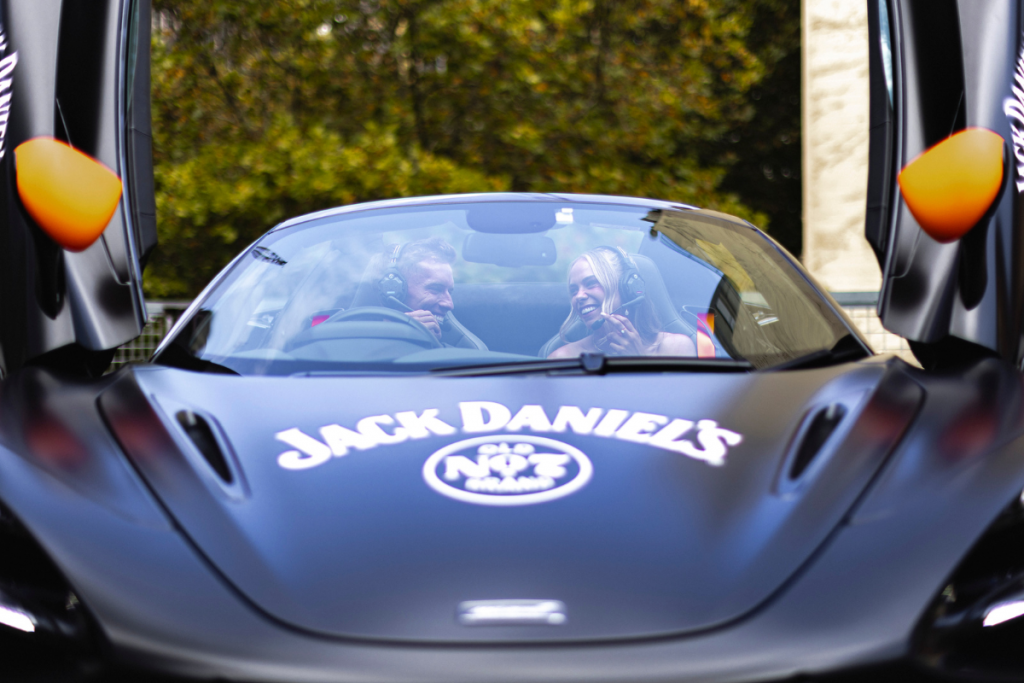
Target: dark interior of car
{"points": [[505, 317], [513, 317]]}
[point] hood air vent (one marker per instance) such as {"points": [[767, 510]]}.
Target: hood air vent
{"points": [[202, 436], [821, 427]]}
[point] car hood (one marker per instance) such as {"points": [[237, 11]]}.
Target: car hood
{"points": [[621, 533]]}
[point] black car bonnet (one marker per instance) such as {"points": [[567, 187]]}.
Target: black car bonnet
{"points": [[631, 506]]}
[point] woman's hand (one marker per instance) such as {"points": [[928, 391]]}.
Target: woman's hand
{"points": [[618, 337]]}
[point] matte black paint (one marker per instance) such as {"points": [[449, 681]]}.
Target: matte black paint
{"points": [[953, 63], [70, 83], [655, 543], [181, 598], [671, 570], [881, 167]]}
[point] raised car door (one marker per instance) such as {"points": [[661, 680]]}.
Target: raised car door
{"points": [[946, 173], [77, 211]]}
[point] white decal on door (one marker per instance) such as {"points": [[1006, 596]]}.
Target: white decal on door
{"points": [[1013, 107], [7, 65]]}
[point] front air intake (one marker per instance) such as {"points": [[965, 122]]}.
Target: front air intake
{"points": [[975, 625], [45, 631]]}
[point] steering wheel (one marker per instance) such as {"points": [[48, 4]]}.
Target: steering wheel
{"points": [[375, 313]]}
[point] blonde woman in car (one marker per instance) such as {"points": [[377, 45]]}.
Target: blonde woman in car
{"points": [[616, 327]]}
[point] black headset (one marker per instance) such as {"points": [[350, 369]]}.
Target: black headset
{"points": [[392, 285], [631, 284]]}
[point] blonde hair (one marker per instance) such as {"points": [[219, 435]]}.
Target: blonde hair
{"points": [[607, 264]]}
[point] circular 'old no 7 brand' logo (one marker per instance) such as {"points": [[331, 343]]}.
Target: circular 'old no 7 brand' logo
{"points": [[507, 470]]}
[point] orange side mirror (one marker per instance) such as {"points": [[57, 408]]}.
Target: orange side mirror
{"points": [[69, 194], [951, 186]]}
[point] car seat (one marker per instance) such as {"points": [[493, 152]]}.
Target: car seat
{"points": [[659, 297]]}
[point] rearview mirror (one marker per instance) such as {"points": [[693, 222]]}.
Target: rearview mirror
{"points": [[509, 250], [512, 217]]}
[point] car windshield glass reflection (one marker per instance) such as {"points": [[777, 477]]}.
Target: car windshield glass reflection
{"points": [[438, 286]]}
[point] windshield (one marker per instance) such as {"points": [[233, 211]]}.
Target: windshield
{"points": [[436, 286]]}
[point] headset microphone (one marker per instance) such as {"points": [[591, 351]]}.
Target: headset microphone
{"points": [[392, 285], [632, 289], [395, 303], [629, 304]]}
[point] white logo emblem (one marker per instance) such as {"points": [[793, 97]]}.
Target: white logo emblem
{"points": [[507, 470], [1014, 109], [512, 612]]}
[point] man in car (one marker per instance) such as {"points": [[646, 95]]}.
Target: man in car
{"points": [[425, 269]]}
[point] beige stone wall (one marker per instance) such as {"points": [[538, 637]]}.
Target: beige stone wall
{"points": [[835, 163], [835, 145]]}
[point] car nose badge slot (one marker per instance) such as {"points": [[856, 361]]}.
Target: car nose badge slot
{"points": [[512, 613]]}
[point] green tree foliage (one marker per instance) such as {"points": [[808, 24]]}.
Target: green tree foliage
{"points": [[267, 109], [763, 153]]}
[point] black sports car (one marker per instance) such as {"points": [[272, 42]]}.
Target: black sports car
{"points": [[512, 437]]}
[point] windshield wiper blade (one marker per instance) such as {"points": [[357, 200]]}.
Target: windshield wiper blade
{"points": [[516, 368], [598, 364]]}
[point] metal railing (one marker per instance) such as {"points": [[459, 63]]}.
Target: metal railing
{"points": [[861, 307], [161, 317]]}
